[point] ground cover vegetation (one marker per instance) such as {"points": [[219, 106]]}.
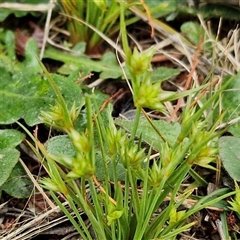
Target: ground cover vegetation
{"points": [[119, 119]]}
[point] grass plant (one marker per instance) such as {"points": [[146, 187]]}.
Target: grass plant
{"points": [[130, 209], [119, 181], [103, 15]]}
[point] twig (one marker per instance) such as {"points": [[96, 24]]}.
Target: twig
{"points": [[29, 152], [189, 78], [26, 7], [220, 229], [149, 16], [82, 79], [103, 190], [175, 37], [46, 30], [22, 231], [105, 103], [50, 203], [203, 93], [59, 230]]}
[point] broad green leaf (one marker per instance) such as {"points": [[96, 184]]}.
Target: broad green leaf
{"points": [[10, 138], [169, 131], [25, 94], [9, 64], [163, 73], [100, 170], [230, 155], [31, 53], [62, 146], [235, 129], [8, 159], [69, 67], [193, 31], [109, 60], [18, 184], [9, 40], [80, 48], [160, 8], [231, 103], [108, 69], [4, 13], [220, 10]]}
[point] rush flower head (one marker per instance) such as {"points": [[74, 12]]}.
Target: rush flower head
{"points": [[140, 62]]}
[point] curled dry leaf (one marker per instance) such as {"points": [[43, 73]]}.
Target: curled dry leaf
{"points": [[21, 38]]}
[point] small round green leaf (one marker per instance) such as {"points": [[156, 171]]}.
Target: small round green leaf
{"points": [[25, 94], [60, 146], [230, 155], [193, 31], [10, 138], [8, 159], [170, 131], [18, 184]]}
